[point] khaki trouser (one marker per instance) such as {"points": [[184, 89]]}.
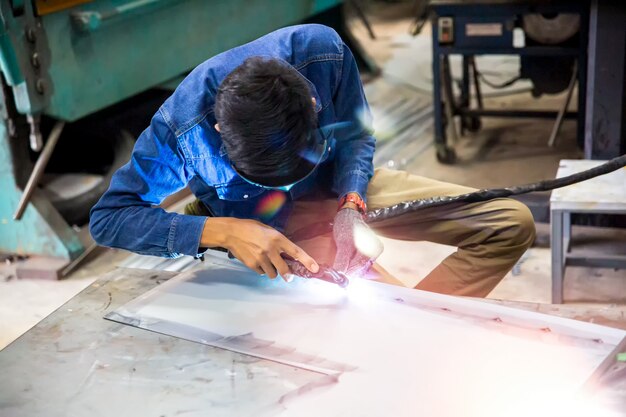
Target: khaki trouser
{"points": [[490, 236]]}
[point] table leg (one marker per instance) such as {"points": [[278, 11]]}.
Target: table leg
{"points": [[567, 233], [556, 246]]}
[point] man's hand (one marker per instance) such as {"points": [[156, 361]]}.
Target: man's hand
{"points": [[255, 244], [348, 228]]}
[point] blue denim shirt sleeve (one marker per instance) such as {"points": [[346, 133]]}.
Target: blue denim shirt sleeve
{"points": [[180, 146], [125, 216], [355, 144]]}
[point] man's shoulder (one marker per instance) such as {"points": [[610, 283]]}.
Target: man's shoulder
{"points": [[310, 40], [194, 98], [296, 45]]}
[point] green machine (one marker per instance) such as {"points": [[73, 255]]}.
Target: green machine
{"points": [[63, 61]]}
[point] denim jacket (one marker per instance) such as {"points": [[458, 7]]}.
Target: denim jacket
{"points": [[182, 148]]}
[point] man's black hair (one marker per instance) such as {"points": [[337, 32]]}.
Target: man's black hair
{"points": [[266, 119]]}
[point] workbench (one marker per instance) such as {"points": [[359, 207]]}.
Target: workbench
{"points": [[75, 363]]}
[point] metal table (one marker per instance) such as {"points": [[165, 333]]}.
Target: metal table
{"points": [[74, 363], [603, 195], [486, 27]]}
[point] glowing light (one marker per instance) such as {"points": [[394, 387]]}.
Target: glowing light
{"points": [[532, 392], [321, 292], [366, 242], [360, 293], [311, 156], [337, 125], [270, 205], [558, 404], [364, 116]]}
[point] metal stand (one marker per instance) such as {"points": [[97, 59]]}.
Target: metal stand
{"points": [[39, 169], [446, 106], [41, 230], [600, 196], [563, 109]]}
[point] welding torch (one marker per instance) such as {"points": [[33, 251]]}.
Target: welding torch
{"points": [[330, 275], [325, 273]]}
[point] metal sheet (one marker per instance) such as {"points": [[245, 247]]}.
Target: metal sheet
{"points": [[75, 364], [408, 350]]}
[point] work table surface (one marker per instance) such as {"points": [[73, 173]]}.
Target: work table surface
{"points": [[75, 363]]}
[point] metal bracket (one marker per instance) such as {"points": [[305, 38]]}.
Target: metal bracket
{"points": [[31, 83], [92, 20]]}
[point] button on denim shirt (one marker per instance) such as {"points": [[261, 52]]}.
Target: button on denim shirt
{"points": [[182, 148]]}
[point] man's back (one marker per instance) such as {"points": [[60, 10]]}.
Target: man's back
{"points": [[182, 148], [316, 51]]}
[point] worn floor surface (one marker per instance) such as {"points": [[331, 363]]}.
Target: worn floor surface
{"points": [[504, 152]]}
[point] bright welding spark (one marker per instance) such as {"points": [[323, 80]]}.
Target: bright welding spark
{"points": [[321, 289], [359, 292]]}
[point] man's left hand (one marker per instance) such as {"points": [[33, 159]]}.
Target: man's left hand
{"points": [[349, 226]]}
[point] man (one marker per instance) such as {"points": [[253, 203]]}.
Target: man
{"points": [[273, 137]]}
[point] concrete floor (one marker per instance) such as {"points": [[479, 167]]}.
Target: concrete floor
{"points": [[515, 150]]}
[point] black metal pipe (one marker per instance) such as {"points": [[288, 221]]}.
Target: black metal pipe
{"points": [[490, 194], [536, 114], [400, 209]]}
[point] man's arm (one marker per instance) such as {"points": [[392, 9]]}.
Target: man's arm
{"points": [[125, 217], [355, 143], [259, 246], [353, 170]]}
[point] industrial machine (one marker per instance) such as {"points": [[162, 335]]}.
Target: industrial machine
{"points": [[68, 70], [549, 36]]}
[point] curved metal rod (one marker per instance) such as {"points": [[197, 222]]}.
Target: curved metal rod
{"points": [[399, 209], [379, 215], [38, 170]]}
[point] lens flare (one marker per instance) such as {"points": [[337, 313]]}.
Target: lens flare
{"points": [[559, 404], [270, 205], [366, 242], [311, 156], [365, 116]]}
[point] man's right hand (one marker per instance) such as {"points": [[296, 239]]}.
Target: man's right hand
{"points": [[255, 244]]}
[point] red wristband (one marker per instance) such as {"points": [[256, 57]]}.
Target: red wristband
{"points": [[356, 200]]}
